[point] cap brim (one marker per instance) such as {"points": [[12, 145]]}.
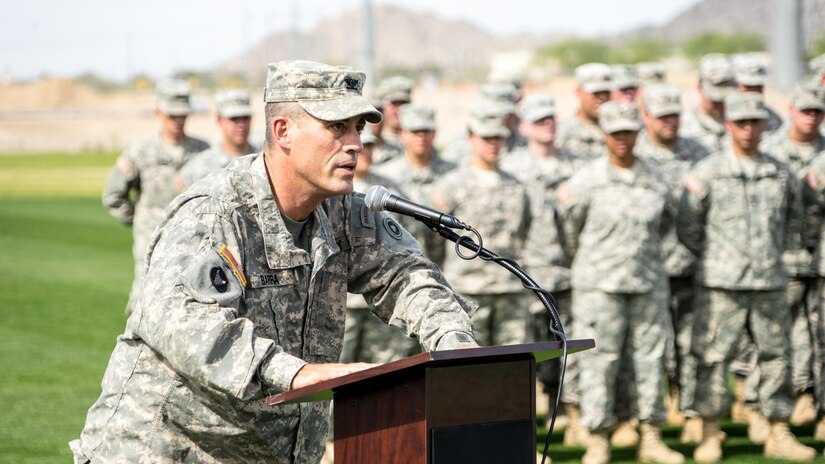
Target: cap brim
{"points": [[236, 112], [716, 92], [809, 104], [342, 108], [175, 109], [752, 81], [596, 87], [397, 97], [534, 116], [487, 132], [418, 127], [665, 110], [740, 116], [621, 125]]}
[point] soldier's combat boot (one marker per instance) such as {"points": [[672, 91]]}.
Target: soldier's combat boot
{"points": [[598, 448], [804, 411], [653, 449], [782, 444], [710, 448], [819, 431], [758, 428], [625, 434], [738, 412], [574, 434], [691, 431]]}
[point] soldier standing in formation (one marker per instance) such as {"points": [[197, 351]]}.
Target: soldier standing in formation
{"points": [[615, 212], [496, 203], [234, 120], [542, 167], [580, 134], [661, 146], [740, 211], [393, 92], [142, 182], [705, 123]]}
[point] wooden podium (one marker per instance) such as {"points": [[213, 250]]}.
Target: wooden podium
{"points": [[474, 405]]}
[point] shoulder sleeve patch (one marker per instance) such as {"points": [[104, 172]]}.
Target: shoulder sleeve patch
{"points": [[694, 185], [812, 179], [393, 228], [125, 166], [563, 194]]}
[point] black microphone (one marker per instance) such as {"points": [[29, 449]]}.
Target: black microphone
{"points": [[378, 198]]}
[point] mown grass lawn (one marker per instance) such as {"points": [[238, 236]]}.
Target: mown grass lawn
{"points": [[65, 272]]}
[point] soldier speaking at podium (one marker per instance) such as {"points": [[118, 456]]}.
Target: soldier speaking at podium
{"points": [[245, 289]]}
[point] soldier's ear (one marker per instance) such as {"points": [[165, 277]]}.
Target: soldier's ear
{"points": [[280, 131]]}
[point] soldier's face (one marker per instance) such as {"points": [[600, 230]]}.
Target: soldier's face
{"points": [[620, 144], [590, 102], [746, 133], [235, 130], [171, 125], [391, 113], [665, 128], [418, 143], [323, 154], [364, 161], [542, 131], [806, 122], [627, 94], [486, 149]]}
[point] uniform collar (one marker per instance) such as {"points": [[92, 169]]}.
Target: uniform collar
{"points": [[279, 246]]}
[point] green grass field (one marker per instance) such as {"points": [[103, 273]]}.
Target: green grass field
{"points": [[64, 280]]}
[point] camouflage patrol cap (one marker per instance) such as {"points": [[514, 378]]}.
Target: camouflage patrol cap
{"points": [[745, 105], [500, 92], [506, 76], [233, 103], [367, 137], [817, 66], [716, 76], [396, 89], [536, 107], [661, 100], [416, 117], [651, 72], [594, 77], [617, 116], [808, 97], [625, 76], [487, 120], [329, 93], [173, 97], [750, 70]]}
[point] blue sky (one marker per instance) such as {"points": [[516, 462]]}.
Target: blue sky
{"points": [[118, 38]]}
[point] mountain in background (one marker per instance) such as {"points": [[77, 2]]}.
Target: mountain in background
{"points": [[413, 41]]}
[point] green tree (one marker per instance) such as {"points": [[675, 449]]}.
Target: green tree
{"points": [[714, 42], [818, 46], [574, 52]]}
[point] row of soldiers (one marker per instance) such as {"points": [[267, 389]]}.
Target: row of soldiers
{"points": [[592, 210]]}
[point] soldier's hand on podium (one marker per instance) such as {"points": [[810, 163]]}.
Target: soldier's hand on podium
{"points": [[313, 373]]}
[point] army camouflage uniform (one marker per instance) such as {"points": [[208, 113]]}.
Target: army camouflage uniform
{"points": [[206, 162], [366, 337], [739, 224], [673, 164], [815, 185], [420, 184], [188, 376], [698, 126], [799, 265], [148, 168], [613, 220], [496, 204], [543, 257], [581, 138]]}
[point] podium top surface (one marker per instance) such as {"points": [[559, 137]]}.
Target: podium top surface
{"points": [[539, 351]]}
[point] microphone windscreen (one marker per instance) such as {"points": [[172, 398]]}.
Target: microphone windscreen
{"points": [[375, 197]]}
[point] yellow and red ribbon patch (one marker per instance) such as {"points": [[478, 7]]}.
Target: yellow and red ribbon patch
{"points": [[233, 263]]}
